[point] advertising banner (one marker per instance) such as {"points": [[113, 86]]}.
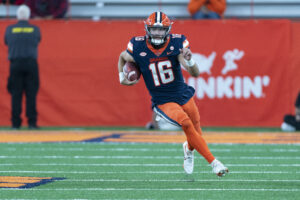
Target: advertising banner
{"points": [[247, 72]]}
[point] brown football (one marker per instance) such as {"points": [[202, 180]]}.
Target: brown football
{"points": [[132, 71]]}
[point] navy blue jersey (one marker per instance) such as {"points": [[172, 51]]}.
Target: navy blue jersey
{"points": [[161, 69]]}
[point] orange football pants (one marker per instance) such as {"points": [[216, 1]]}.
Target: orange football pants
{"points": [[188, 117]]}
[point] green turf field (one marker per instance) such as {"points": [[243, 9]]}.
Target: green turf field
{"points": [[150, 171]]}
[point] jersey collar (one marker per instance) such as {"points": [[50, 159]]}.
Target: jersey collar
{"points": [[159, 51]]}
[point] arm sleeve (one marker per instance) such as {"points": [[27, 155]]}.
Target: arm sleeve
{"points": [[195, 5], [218, 5], [39, 34]]}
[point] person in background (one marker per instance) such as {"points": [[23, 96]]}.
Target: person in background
{"points": [[207, 9], [292, 122], [22, 40], [48, 9]]}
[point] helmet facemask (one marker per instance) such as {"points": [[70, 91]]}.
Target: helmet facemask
{"points": [[157, 35]]}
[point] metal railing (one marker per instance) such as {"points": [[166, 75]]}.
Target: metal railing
{"points": [[116, 9]]}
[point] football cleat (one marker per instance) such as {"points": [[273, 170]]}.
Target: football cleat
{"points": [[218, 168], [188, 162]]}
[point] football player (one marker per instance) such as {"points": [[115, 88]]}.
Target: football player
{"points": [[159, 55]]}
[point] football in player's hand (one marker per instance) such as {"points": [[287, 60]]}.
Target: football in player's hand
{"points": [[131, 71]]}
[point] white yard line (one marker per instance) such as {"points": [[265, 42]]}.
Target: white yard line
{"points": [[160, 189], [83, 199], [145, 149], [139, 164], [150, 157], [143, 172], [182, 180]]}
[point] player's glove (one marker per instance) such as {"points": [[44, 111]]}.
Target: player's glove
{"points": [[124, 80]]}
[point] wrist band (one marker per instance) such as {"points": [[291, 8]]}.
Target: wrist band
{"points": [[121, 76], [190, 62]]}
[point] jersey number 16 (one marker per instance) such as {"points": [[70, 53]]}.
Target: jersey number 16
{"points": [[165, 72]]}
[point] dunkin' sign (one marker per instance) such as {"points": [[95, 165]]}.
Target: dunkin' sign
{"points": [[225, 85]]}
